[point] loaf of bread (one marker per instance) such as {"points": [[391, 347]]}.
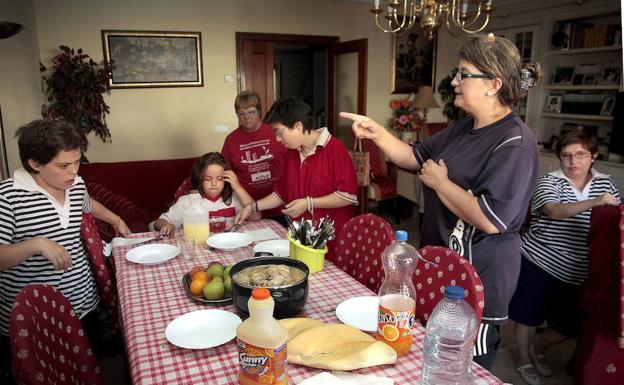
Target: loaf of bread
{"points": [[333, 346]]}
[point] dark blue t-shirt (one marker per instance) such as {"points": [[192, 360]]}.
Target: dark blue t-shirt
{"points": [[498, 164]]}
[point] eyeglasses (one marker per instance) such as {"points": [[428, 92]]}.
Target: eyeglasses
{"points": [[577, 155], [278, 132], [463, 75], [242, 114]]}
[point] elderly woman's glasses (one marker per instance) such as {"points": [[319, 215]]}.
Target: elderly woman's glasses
{"points": [[464, 75], [577, 155], [251, 112]]}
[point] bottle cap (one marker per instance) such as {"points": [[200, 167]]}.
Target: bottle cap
{"points": [[455, 292], [400, 235], [260, 293]]}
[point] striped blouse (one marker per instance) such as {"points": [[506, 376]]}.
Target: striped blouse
{"points": [[26, 212], [559, 246]]}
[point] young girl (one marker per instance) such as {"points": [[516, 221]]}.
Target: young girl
{"points": [[221, 190]]}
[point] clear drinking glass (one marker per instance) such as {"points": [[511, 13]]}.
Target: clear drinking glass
{"points": [[187, 249]]}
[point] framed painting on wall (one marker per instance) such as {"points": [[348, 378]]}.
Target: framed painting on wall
{"points": [[153, 59], [413, 62]]}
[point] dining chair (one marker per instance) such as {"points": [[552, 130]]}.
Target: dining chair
{"points": [[101, 268], [48, 343], [183, 189], [383, 185], [438, 268], [359, 245]]}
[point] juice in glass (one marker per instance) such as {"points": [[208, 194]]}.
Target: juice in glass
{"points": [[197, 231]]}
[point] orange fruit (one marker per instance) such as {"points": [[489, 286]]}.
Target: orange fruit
{"points": [[390, 332], [194, 270], [196, 286], [201, 274]]}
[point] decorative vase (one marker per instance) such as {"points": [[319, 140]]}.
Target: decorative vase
{"points": [[407, 136]]}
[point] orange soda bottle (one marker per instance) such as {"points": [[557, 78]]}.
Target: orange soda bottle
{"points": [[261, 343], [397, 296]]}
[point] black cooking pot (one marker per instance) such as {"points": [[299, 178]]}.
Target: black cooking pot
{"points": [[289, 299]]}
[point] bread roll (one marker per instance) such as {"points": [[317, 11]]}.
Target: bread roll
{"points": [[334, 346]]}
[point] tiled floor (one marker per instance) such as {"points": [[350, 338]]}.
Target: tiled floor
{"points": [[504, 367]]}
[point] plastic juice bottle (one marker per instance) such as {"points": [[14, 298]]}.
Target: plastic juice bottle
{"points": [[395, 322], [261, 343], [195, 220]]}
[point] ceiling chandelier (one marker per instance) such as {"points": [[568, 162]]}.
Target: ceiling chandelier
{"points": [[469, 16]]}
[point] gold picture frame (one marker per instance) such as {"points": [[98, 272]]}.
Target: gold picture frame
{"points": [[413, 62], [143, 59]]}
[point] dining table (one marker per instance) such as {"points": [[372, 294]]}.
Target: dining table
{"points": [[152, 295]]}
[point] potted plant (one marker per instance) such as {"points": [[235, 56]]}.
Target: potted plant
{"points": [[447, 94], [75, 89]]}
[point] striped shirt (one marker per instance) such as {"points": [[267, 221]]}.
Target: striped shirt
{"points": [[559, 246], [28, 211]]}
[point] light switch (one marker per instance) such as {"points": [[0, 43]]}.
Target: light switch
{"points": [[222, 128], [228, 78]]}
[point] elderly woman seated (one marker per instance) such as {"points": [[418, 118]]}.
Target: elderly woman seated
{"points": [[554, 252]]}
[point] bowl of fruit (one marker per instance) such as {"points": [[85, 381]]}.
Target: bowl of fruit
{"points": [[211, 284]]}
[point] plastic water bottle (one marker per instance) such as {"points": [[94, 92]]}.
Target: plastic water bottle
{"points": [[451, 331], [397, 296]]}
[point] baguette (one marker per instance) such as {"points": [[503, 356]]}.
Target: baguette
{"points": [[334, 346]]}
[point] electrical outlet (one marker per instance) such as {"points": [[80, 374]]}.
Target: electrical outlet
{"points": [[228, 78], [222, 128]]}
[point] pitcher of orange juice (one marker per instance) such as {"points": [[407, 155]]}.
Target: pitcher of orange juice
{"points": [[195, 220], [261, 343]]}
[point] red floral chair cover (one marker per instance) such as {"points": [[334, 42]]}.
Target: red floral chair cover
{"points": [[100, 267], [452, 269], [382, 186], [48, 343], [184, 189], [599, 357], [358, 248]]}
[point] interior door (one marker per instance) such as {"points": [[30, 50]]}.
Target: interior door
{"points": [[257, 74], [347, 92]]}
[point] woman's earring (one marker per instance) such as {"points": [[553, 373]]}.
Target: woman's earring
{"points": [[489, 93]]}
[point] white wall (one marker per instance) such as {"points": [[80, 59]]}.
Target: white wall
{"points": [[20, 85], [162, 123]]}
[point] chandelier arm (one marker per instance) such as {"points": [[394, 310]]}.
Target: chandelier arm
{"points": [[468, 24], [389, 30], [485, 23]]}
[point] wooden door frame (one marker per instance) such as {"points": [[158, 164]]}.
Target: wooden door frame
{"points": [[353, 46], [242, 37]]}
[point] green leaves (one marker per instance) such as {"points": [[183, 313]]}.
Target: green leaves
{"points": [[74, 90]]}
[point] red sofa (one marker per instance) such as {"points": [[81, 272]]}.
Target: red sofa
{"points": [[137, 191]]}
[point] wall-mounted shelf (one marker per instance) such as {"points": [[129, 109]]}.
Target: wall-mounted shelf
{"points": [[598, 87], [577, 116], [585, 50]]}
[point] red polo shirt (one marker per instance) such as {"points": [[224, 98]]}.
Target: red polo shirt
{"points": [[328, 169]]}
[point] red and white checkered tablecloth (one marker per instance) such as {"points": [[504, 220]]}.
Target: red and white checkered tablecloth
{"points": [[151, 296]]}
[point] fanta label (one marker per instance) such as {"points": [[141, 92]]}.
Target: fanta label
{"points": [[262, 365], [395, 327]]}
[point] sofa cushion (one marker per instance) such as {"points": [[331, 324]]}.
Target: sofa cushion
{"points": [[150, 184], [136, 218]]}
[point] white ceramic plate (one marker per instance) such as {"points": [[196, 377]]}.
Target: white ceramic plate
{"points": [[202, 329], [227, 241], [152, 253], [359, 312], [279, 247]]}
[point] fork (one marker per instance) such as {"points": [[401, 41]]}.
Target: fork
{"points": [[234, 227]]}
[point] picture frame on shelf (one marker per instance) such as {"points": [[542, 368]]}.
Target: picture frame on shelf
{"points": [[560, 39], [553, 103], [607, 105], [589, 80], [610, 74], [148, 59], [563, 75]]}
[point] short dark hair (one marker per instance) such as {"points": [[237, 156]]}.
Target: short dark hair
{"points": [[41, 140], [577, 137], [197, 174], [290, 110]]}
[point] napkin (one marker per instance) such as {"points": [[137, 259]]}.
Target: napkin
{"points": [[263, 234], [119, 241], [346, 378]]}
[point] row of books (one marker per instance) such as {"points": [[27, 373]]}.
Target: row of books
{"points": [[574, 34]]}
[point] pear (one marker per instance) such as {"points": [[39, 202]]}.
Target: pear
{"points": [[213, 290], [226, 271], [216, 270], [227, 284]]}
